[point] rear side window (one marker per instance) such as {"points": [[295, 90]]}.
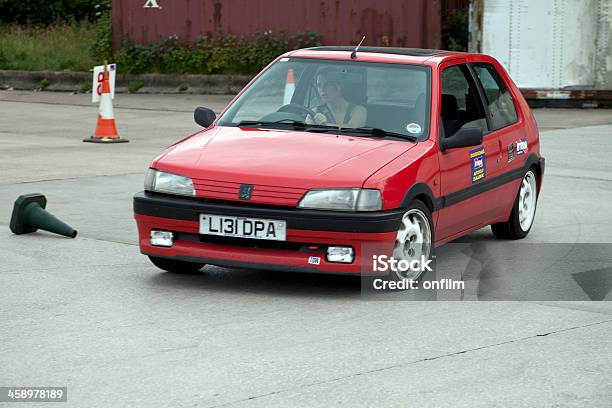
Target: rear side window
{"points": [[499, 99]]}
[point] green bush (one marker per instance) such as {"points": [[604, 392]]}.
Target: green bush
{"points": [[135, 85], [46, 12], [101, 47], [218, 54], [458, 27], [42, 84], [60, 47], [85, 86]]}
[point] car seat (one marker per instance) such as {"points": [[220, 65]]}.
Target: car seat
{"points": [[449, 114]]}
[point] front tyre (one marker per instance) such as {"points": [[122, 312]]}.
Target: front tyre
{"points": [[414, 240], [523, 212], [176, 266]]}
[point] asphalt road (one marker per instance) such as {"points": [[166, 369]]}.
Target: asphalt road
{"points": [[94, 315]]}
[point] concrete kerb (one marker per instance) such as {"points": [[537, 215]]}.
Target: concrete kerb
{"points": [[147, 83]]}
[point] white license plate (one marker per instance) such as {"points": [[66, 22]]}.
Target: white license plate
{"points": [[241, 227]]}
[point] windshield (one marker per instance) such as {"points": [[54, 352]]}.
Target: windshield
{"points": [[329, 94]]}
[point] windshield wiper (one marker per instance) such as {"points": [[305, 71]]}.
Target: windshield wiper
{"points": [[378, 132], [321, 128], [292, 122], [297, 124], [369, 131]]}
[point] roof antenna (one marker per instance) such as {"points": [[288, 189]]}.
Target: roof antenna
{"points": [[354, 53]]}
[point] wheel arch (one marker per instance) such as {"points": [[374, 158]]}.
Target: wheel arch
{"points": [[422, 192], [537, 163], [539, 166]]}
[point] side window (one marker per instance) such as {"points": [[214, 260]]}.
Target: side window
{"points": [[499, 99], [461, 105]]}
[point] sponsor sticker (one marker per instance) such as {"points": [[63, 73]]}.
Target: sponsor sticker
{"points": [[98, 78], [413, 128], [478, 164], [314, 260], [521, 147], [510, 152]]}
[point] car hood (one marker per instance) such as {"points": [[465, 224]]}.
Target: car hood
{"points": [[280, 157]]}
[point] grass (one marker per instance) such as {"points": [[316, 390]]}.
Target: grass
{"points": [[54, 48]]}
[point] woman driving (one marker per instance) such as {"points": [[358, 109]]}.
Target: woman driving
{"points": [[335, 110]]}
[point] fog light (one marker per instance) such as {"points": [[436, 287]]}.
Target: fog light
{"points": [[162, 238], [340, 254]]}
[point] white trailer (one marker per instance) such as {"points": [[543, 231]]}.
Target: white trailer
{"points": [[553, 49]]}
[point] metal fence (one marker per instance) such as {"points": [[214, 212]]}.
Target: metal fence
{"points": [[401, 23]]}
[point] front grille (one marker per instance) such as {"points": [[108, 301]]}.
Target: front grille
{"points": [[226, 190]]}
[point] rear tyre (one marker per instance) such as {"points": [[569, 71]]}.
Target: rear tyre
{"points": [[523, 212], [176, 266]]}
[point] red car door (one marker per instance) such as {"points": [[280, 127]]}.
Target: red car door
{"points": [[466, 203], [507, 126]]}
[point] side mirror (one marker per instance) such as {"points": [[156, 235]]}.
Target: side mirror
{"points": [[204, 116], [463, 138]]}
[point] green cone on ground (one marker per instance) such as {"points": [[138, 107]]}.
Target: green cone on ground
{"points": [[29, 215]]}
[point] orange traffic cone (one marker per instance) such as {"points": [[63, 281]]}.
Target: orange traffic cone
{"points": [[289, 87], [106, 130]]}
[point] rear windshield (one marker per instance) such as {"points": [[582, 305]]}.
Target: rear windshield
{"points": [[347, 94]]}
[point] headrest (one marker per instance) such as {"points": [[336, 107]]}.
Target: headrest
{"points": [[450, 109]]}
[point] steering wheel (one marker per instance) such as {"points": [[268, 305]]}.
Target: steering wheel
{"points": [[297, 109]]}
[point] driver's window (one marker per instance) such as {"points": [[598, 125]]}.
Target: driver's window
{"points": [[461, 104]]}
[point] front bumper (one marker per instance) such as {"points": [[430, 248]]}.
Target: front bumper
{"points": [[309, 232]]}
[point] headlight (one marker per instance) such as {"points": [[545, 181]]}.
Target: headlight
{"points": [[162, 182], [346, 199]]}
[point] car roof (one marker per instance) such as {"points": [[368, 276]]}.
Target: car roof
{"points": [[415, 52], [377, 54]]}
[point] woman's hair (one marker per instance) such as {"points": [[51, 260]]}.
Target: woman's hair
{"points": [[333, 75]]}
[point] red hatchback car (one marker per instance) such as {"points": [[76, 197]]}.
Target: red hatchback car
{"points": [[328, 150]]}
